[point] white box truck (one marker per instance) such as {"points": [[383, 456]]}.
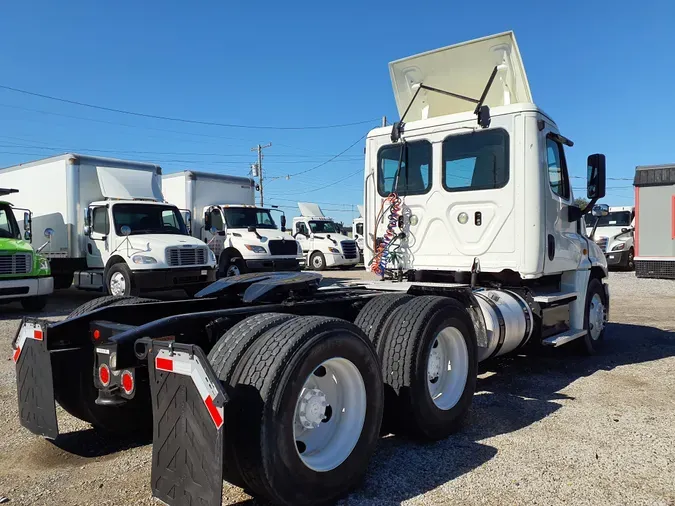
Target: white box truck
{"points": [[112, 229], [322, 240], [614, 235], [223, 214]]}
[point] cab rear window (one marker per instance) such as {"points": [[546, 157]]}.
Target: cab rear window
{"points": [[476, 161], [404, 168]]}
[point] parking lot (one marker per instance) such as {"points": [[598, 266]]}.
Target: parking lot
{"points": [[554, 428]]}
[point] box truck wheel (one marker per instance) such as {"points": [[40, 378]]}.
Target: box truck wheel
{"points": [[34, 303], [224, 357], [309, 402], [630, 262], [231, 266], [118, 280], [429, 362], [595, 318]]}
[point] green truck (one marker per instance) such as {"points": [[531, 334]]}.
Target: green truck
{"points": [[24, 273]]}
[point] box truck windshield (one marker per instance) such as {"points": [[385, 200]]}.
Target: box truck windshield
{"points": [[242, 217], [8, 227], [148, 219]]}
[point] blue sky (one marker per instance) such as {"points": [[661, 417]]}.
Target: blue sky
{"points": [[603, 70]]}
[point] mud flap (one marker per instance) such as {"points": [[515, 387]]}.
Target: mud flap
{"points": [[35, 386], [187, 412]]}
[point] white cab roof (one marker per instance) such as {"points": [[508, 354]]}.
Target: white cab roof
{"points": [[462, 69]]}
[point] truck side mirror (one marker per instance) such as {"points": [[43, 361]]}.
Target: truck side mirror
{"points": [[283, 223], [207, 222], [600, 210], [595, 185], [27, 227], [87, 221]]}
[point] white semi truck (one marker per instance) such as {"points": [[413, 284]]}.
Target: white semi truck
{"points": [[112, 230], [322, 240], [244, 237], [286, 386], [614, 235]]}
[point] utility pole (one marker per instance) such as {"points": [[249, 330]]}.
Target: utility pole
{"points": [[259, 149]]}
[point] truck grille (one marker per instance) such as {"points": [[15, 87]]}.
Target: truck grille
{"points": [[19, 263], [349, 249], [178, 257], [602, 243], [289, 247]]}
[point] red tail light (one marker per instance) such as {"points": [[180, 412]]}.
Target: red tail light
{"points": [[97, 334], [128, 382], [104, 375]]}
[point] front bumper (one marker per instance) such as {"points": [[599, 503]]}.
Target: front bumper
{"points": [[615, 258], [172, 279], [269, 265], [14, 289], [335, 260]]}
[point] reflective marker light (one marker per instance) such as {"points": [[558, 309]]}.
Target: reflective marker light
{"points": [[127, 382], [463, 218], [104, 375], [97, 334]]}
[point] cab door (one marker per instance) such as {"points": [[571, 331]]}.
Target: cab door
{"points": [[214, 229], [303, 236], [562, 240], [98, 241]]}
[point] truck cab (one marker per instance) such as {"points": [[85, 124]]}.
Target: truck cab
{"points": [[322, 240], [472, 185], [245, 238], [614, 235], [141, 245], [25, 274]]}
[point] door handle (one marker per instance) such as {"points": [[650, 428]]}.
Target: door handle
{"points": [[551, 247]]}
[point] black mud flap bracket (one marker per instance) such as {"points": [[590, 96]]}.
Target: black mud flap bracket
{"points": [[188, 414], [35, 385]]}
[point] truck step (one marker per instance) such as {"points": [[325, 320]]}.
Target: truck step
{"points": [[565, 337], [556, 298]]}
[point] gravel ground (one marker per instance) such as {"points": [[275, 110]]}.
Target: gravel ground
{"points": [[548, 429]]}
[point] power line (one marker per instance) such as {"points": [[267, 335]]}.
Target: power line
{"points": [[288, 176], [360, 171], [181, 120]]}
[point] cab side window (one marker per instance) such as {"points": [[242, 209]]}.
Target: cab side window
{"points": [[359, 228], [99, 221], [216, 219], [557, 169], [302, 229]]}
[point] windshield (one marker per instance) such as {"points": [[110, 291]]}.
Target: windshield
{"points": [[324, 227], [8, 227], [613, 219], [244, 217], [148, 219]]}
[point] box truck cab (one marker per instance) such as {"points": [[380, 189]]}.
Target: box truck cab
{"points": [[112, 229], [24, 272], [243, 237], [322, 240], [614, 235]]}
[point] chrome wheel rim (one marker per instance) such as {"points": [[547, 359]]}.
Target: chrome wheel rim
{"points": [[317, 263], [329, 414], [233, 270], [118, 284], [447, 368], [597, 317]]}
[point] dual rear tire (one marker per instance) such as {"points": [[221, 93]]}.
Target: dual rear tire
{"points": [[306, 404]]}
